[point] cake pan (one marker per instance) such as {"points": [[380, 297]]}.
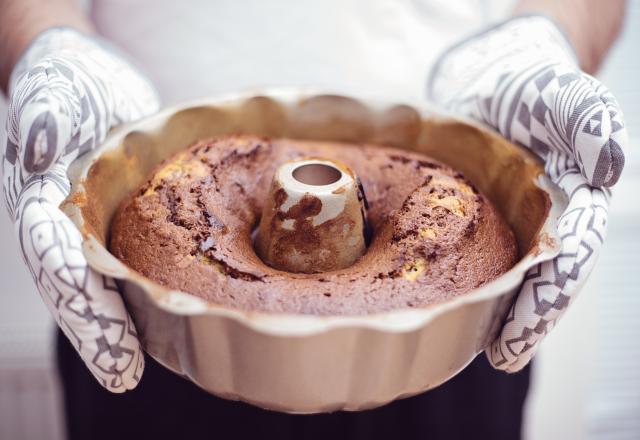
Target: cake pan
{"points": [[303, 363]]}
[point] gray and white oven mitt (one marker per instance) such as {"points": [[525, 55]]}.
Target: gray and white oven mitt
{"points": [[522, 79], [65, 93]]}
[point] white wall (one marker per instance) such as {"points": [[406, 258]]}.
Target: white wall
{"points": [[29, 398], [587, 374]]}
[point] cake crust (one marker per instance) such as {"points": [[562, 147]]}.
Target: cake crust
{"points": [[433, 235]]}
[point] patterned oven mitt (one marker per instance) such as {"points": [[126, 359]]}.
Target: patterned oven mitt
{"points": [[521, 78], [66, 92]]}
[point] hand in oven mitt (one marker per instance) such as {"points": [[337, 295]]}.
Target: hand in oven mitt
{"points": [[66, 92], [521, 78]]}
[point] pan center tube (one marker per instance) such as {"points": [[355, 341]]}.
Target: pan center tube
{"points": [[314, 219]]}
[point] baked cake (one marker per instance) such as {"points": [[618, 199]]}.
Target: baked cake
{"points": [[433, 236]]}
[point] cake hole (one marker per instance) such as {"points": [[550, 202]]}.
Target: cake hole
{"points": [[317, 174]]}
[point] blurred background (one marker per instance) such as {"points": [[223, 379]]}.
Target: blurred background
{"points": [[586, 382]]}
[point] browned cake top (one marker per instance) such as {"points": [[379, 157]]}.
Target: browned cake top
{"points": [[189, 228]]}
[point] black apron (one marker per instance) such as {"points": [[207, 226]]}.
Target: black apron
{"points": [[480, 402]]}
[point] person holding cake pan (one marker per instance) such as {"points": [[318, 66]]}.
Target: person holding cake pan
{"points": [[68, 84]]}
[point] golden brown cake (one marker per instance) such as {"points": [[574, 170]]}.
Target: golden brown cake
{"points": [[433, 236]]}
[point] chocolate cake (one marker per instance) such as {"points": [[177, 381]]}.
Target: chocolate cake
{"points": [[433, 236]]}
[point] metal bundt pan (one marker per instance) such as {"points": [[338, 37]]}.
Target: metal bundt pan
{"points": [[301, 363]]}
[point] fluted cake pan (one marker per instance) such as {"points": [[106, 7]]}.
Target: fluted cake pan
{"points": [[305, 363]]}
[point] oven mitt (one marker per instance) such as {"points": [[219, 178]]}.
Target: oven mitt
{"points": [[66, 92], [521, 78]]}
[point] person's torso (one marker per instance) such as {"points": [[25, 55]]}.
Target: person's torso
{"points": [[200, 48]]}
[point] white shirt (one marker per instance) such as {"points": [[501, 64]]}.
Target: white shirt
{"points": [[200, 48]]}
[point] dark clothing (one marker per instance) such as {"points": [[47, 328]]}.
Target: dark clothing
{"points": [[478, 403]]}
